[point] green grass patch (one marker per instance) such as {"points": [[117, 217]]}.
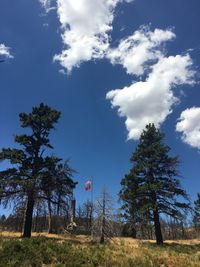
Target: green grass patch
{"points": [[42, 251]]}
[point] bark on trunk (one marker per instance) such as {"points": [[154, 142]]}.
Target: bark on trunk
{"points": [[182, 230], [50, 230], [133, 232], [58, 206], [102, 240], [28, 216], [73, 204], [158, 232]]}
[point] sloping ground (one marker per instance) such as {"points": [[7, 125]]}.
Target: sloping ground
{"points": [[63, 250]]}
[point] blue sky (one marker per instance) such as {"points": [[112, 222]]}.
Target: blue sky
{"points": [[91, 133]]}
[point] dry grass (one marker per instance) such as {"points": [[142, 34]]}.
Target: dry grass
{"points": [[119, 252], [135, 243], [61, 237]]}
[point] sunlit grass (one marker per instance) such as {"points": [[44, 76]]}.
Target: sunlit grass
{"points": [[62, 250]]}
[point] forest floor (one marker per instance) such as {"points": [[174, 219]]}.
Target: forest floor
{"points": [[74, 251]]}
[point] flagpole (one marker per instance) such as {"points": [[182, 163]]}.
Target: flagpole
{"points": [[92, 205]]}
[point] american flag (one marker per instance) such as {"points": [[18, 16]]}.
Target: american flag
{"points": [[88, 185]]}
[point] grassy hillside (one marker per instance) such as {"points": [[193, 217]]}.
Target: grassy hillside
{"points": [[77, 251]]}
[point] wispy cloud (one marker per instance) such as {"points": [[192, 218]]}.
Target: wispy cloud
{"points": [[5, 51], [189, 126], [48, 5]]}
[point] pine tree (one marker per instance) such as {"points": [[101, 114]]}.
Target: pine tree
{"points": [[26, 179], [152, 187]]}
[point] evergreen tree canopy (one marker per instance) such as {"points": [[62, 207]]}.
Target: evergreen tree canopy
{"points": [[152, 187], [33, 174]]}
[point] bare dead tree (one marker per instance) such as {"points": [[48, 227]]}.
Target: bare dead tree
{"points": [[104, 224]]}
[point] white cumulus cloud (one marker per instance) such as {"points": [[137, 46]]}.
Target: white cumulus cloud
{"points": [[189, 126], [5, 51], [144, 46], [85, 26], [85, 30], [151, 101]]}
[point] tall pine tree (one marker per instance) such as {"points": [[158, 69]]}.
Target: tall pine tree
{"points": [[27, 179], [152, 187]]}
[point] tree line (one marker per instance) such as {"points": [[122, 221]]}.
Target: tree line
{"points": [[39, 186]]}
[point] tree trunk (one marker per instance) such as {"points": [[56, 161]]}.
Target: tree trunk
{"points": [[102, 240], [56, 223], [73, 205], [182, 230], [58, 206], [158, 232], [50, 230], [133, 232], [28, 216]]}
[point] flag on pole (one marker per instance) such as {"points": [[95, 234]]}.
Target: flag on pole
{"points": [[88, 185]]}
